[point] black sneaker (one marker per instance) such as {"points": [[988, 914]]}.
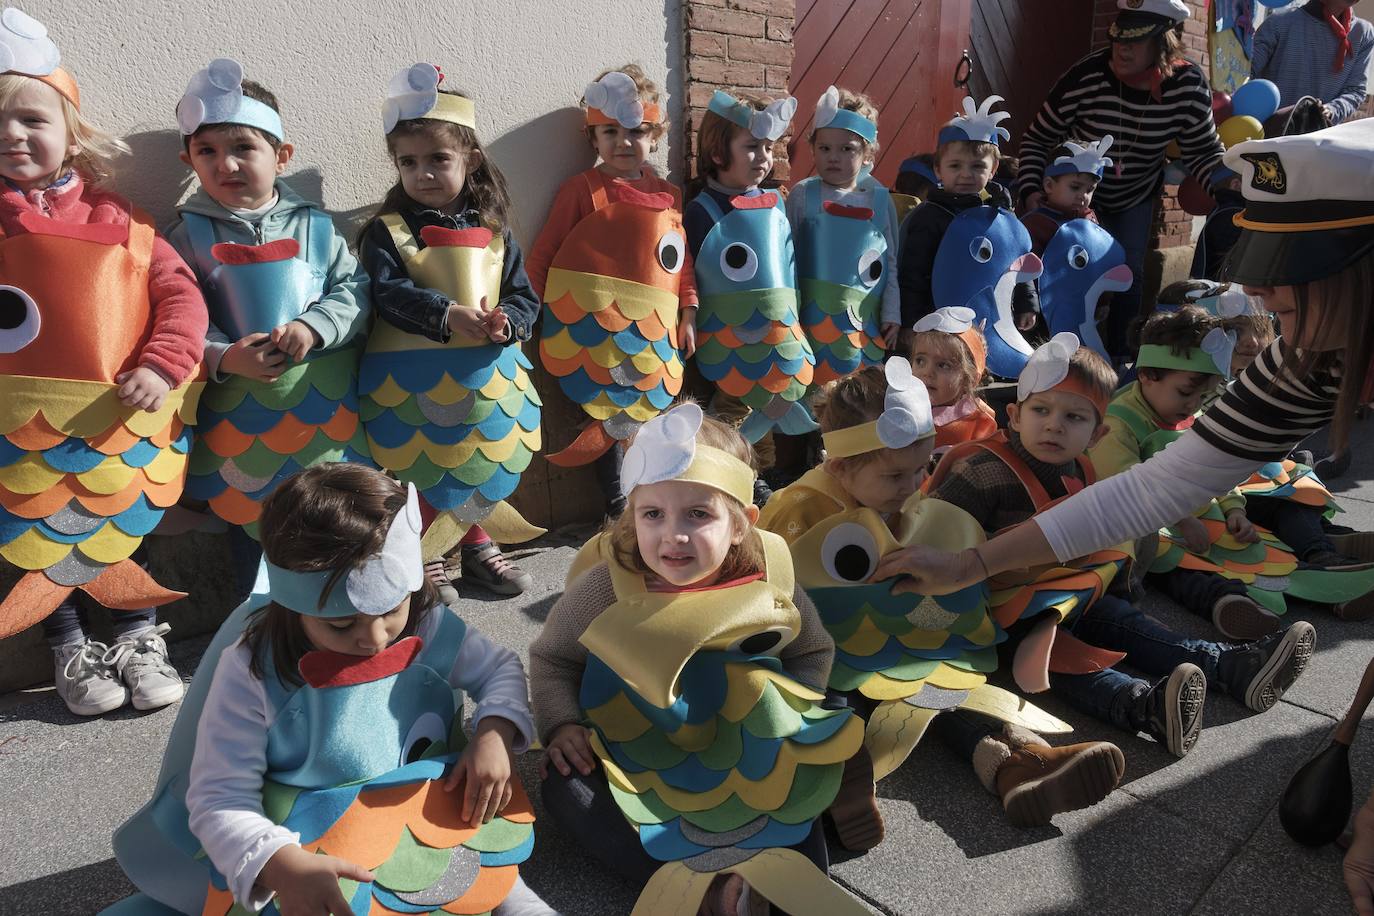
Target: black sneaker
{"points": [[1333, 465], [762, 492], [1241, 618], [1173, 708], [1330, 559], [1258, 674]]}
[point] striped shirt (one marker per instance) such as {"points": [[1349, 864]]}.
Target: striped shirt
{"points": [[1296, 49], [1261, 419], [1089, 102]]}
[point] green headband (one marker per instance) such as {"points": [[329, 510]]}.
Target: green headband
{"points": [[1160, 356]]}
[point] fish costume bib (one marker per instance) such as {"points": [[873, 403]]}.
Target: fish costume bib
{"points": [[914, 655], [460, 420], [713, 753], [356, 758]]}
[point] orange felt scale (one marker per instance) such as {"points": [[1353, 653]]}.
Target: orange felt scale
{"points": [[236, 507], [217, 902], [735, 383], [492, 886], [36, 435]]}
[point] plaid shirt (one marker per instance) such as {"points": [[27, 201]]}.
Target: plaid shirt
{"points": [[984, 487]]}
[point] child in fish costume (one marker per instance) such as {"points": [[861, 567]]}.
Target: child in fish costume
{"points": [[99, 361], [447, 400], [612, 267], [320, 759], [750, 342], [845, 228], [287, 301], [1218, 563], [1068, 630], [903, 658], [949, 356], [677, 690]]}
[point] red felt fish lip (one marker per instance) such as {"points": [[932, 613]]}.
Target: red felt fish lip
{"points": [[99, 233], [335, 669], [234, 253], [653, 200], [837, 209], [443, 237], [762, 201]]}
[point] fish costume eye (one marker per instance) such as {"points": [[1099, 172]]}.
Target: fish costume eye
{"points": [[19, 319], [1078, 257], [427, 731], [870, 267], [670, 252], [739, 262], [849, 553], [981, 249], [765, 642]]}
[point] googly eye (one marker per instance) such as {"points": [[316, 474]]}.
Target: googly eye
{"points": [[739, 262], [765, 642], [424, 734], [849, 553], [670, 251], [870, 267], [19, 319], [1078, 257], [981, 249]]}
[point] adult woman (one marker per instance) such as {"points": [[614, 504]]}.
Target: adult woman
{"points": [[1140, 92]]}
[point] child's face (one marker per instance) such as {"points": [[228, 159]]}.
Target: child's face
{"points": [[361, 634], [962, 171], [236, 165], [942, 373], [1070, 193], [432, 170], [751, 159], [886, 482], [1248, 346], [622, 149], [684, 530], [1056, 426], [839, 155], [1176, 394], [33, 136]]}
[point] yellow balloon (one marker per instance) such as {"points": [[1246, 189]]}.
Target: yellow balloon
{"points": [[1173, 151], [1238, 129]]}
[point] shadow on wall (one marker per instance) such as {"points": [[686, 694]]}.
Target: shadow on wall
{"points": [[524, 153]]}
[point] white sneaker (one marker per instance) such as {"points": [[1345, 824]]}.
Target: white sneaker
{"points": [[85, 684], [140, 661]]}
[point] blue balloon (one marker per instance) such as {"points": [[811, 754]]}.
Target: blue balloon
{"points": [[1258, 98]]}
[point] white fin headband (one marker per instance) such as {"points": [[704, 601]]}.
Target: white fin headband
{"points": [[978, 123], [215, 96], [413, 93], [26, 49], [768, 124], [666, 448], [906, 417], [614, 99], [830, 114], [1089, 160], [377, 587], [952, 319], [1048, 370]]}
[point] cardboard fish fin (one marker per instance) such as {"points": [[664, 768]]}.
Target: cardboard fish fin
{"points": [[126, 586], [32, 598], [590, 444]]}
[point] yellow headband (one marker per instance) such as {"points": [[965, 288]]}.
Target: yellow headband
{"points": [[860, 440], [666, 448], [906, 418], [714, 468], [455, 109]]}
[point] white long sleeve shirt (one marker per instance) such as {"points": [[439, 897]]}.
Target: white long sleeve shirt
{"points": [[224, 795]]}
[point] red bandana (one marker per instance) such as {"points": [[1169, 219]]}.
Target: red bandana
{"points": [[1341, 28]]}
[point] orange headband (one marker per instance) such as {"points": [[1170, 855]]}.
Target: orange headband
{"points": [[1073, 385], [64, 83], [978, 347], [595, 116]]}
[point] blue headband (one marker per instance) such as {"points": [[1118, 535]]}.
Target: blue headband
{"points": [[215, 96], [855, 123], [768, 124]]}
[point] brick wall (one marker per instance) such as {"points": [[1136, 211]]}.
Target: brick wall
{"points": [[736, 44], [1173, 227]]}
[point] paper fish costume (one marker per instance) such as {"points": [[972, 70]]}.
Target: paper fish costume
{"points": [[82, 477], [1081, 263], [985, 252], [716, 756], [356, 758], [610, 321], [460, 420], [253, 434]]}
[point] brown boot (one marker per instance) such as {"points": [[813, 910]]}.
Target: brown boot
{"points": [[854, 812], [1036, 781]]}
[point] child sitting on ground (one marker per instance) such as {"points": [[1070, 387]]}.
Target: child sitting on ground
{"points": [[1060, 412], [1072, 176], [949, 354]]}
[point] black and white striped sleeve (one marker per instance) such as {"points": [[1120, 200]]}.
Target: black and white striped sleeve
{"points": [[1266, 411]]}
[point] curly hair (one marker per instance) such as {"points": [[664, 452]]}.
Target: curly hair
{"points": [[649, 94], [854, 400], [861, 104]]}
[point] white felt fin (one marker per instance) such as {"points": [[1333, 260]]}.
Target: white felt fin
{"points": [[212, 96], [410, 94], [616, 96], [25, 46], [827, 106], [952, 319], [1047, 366], [382, 583], [1220, 345], [1230, 302], [1091, 159], [771, 123], [662, 449], [906, 415], [980, 123]]}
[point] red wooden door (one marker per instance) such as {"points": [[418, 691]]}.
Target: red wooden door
{"points": [[900, 53], [1019, 49]]}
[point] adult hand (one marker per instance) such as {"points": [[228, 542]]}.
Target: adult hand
{"points": [[307, 884], [253, 357], [142, 388], [1240, 526], [1194, 535], [569, 746], [687, 332], [295, 339], [930, 571], [484, 771]]}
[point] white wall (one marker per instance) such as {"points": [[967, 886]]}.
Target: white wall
{"points": [[524, 61]]}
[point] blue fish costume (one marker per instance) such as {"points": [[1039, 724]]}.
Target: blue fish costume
{"points": [[1081, 263]]}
